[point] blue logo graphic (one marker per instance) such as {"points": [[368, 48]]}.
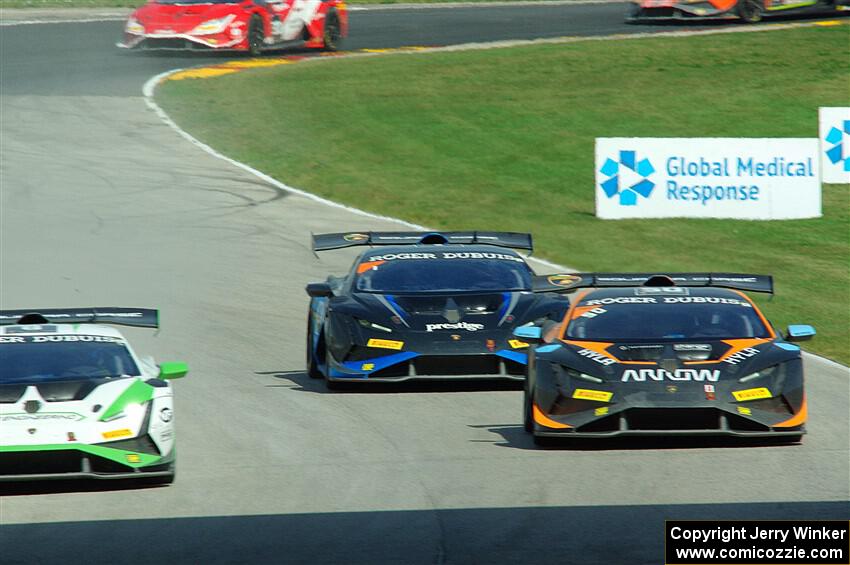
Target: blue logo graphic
{"points": [[836, 153], [627, 178]]}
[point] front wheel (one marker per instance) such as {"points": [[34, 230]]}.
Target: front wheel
{"points": [[332, 33], [750, 11], [312, 369], [256, 36]]}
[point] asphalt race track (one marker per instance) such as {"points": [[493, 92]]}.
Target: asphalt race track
{"points": [[102, 204]]}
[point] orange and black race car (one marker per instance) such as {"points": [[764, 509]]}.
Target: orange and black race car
{"points": [[674, 354], [750, 11]]}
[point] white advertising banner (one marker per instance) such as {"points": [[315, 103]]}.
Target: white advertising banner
{"points": [[835, 144], [746, 178]]}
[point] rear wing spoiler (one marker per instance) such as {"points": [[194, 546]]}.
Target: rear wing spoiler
{"points": [[572, 281], [136, 317], [328, 241]]}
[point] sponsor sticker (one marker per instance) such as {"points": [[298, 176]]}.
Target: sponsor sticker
{"points": [[642, 375], [587, 394], [596, 356], [751, 394], [517, 344], [166, 415], [124, 432], [385, 344], [133, 458], [458, 326], [562, 280], [367, 366], [744, 410], [601, 411], [355, 237]]}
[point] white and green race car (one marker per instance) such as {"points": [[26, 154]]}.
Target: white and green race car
{"points": [[77, 402]]}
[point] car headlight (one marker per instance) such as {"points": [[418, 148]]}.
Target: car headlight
{"points": [[133, 26], [573, 374], [212, 26], [372, 326], [768, 372], [133, 410]]}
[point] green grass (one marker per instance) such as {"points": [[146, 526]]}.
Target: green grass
{"points": [[503, 139]]}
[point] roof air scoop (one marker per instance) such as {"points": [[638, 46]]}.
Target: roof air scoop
{"points": [[33, 319], [659, 280], [433, 239]]}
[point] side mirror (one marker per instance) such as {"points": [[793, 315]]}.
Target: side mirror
{"points": [[800, 332], [529, 333], [319, 290], [175, 370]]}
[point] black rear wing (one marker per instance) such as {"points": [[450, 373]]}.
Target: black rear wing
{"points": [[328, 241], [136, 317], [572, 281]]}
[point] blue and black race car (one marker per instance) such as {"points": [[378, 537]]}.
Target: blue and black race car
{"points": [[674, 354], [425, 306]]}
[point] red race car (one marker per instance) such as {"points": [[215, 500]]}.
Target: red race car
{"points": [[750, 11], [250, 26]]}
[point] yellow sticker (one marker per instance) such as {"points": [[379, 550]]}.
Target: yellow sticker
{"points": [[586, 394], [385, 344], [133, 458], [116, 433], [751, 394], [367, 366], [744, 410], [600, 411], [517, 344]]}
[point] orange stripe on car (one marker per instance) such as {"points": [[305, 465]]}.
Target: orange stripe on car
{"points": [[557, 332], [544, 420], [601, 347], [760, 315], [738, 345], [363, 267], [797, 419]]}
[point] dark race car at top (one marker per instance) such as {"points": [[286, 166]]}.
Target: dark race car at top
{"points": [[252, 26], [674, 354], [76, 402], [750, 11], [425, 306]]}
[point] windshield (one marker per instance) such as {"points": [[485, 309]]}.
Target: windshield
{"points": [[29, 360], [440, 274], [665, 321]]}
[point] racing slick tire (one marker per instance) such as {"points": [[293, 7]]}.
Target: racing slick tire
{"points": [[256, 36], [528, 421], [332, 32], [312, 370], [750, 11]]}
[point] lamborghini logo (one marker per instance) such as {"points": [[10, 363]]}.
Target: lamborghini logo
{"points": [[563, 280]]}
